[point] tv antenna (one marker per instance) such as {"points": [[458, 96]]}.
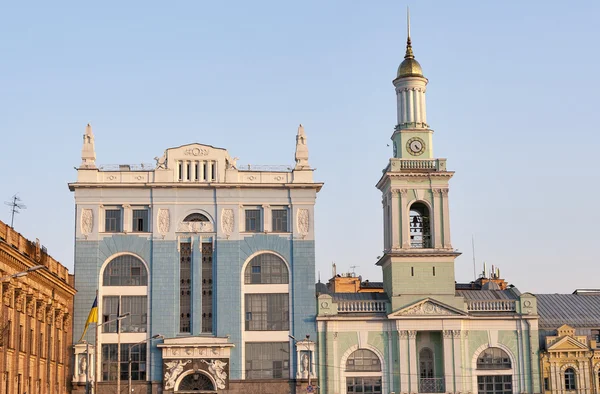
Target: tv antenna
{"points": [[15, 205], [353, 268]]}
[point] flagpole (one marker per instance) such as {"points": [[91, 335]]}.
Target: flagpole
{"points": [[95, 391]]}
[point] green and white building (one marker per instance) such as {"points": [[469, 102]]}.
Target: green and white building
{"points": [[425, 333]]}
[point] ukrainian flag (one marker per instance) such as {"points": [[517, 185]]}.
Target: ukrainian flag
{"points": [[92, 317]]}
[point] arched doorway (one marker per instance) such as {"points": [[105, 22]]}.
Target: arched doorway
{"points": [[196, 382]]}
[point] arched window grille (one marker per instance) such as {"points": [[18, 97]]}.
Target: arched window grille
{"points": [[363, 360], [360, 361], [570, 379], [493, 358], [420, 228], [196, 217], [125, 270], [266, 268]]}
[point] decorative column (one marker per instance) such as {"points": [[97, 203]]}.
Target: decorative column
{"points": [[404, 360], [193, 174], [417, 107], [266, 225], [412, 350], [127, 218], [396, 230], [184, 170], [404, 94], [208, 174], [457, 361], [404, 219], [437, 218], [423, 112], [447, 243], [399, 105], [411, 106], [448, 361]]}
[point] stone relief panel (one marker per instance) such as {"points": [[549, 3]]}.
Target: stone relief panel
{"points": [[87, 221], [227, 221], [303, 222], [427, 308], [195, 227], [164, 221], [217, 369]]}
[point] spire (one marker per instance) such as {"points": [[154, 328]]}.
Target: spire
{"points": [[301, 150], [88, 151], [409, 52]]}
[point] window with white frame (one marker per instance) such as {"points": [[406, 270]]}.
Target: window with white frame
{"points": [[125, 270], [253, 220], [141, 220], [267, 312], [570, 378], [136, 306], [363, 372], [279, 219], [113, 220], [110, 362], [266, 268], [267, 360]]}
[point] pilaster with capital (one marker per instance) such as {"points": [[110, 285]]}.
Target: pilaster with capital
{"points": [[414, 372], [448, 360], [30, 305], [438, 217], [395, 222], [7, 294], [446, 206], [457, 359], [19, 300], [404, 223], [404, 359]]}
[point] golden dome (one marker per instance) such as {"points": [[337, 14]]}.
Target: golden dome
{"points": [[409, 67]]}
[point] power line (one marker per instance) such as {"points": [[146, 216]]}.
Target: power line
{"points": [[14, 204]]}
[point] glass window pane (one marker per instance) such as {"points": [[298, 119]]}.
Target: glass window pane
{"points": [[267, 360], [125, 270], [266, 268]]}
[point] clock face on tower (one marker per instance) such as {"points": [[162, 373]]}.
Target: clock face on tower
{"points": [[415, 146]]}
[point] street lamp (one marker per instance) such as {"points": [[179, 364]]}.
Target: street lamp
{"points": [[157, 336], [309, 355], [23, 273]]}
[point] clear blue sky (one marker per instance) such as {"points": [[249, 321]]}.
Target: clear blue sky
{"points": [[513, 98]]}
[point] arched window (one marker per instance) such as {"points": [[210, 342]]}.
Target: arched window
{"points": [[125, 270], [493, 358], [426, 364], [420, 229], [196, 217], [363, 360], [266, 268], [570, 379], [360, 361], [196, 382]]}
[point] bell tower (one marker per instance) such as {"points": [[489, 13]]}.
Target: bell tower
{"points": [[418, 260]]}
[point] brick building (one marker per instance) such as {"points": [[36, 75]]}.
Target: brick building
{"points": [[35, 318]]}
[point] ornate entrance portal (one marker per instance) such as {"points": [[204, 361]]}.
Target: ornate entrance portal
{"points": [[195, 364], [196, 383]]}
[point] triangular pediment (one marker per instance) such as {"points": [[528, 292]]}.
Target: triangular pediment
{"points": [[567, 343], [427, 307]]}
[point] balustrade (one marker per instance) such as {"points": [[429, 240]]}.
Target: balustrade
{"points": [[362, 306], [491, 305]]}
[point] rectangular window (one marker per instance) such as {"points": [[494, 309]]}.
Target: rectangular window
{"points": [[41, 345], [110, 308], [58, 346], [137, 307], [185, 271], [546, 384], [140, 221], [207, 286], [112, 222], [110, 362], [253, 220], [363, 385], [267, 312], [180, 171], [267, 360], [21, 339], [280, 220], [596, 337], [495, 384], [8, 333], [31, 343]]}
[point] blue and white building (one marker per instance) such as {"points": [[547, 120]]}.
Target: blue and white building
{"points": [[217, 258]]}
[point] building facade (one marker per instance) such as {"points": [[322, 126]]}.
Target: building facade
{"points": [[215, 257], [424, 333], [570, 342], [35, 319]]}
